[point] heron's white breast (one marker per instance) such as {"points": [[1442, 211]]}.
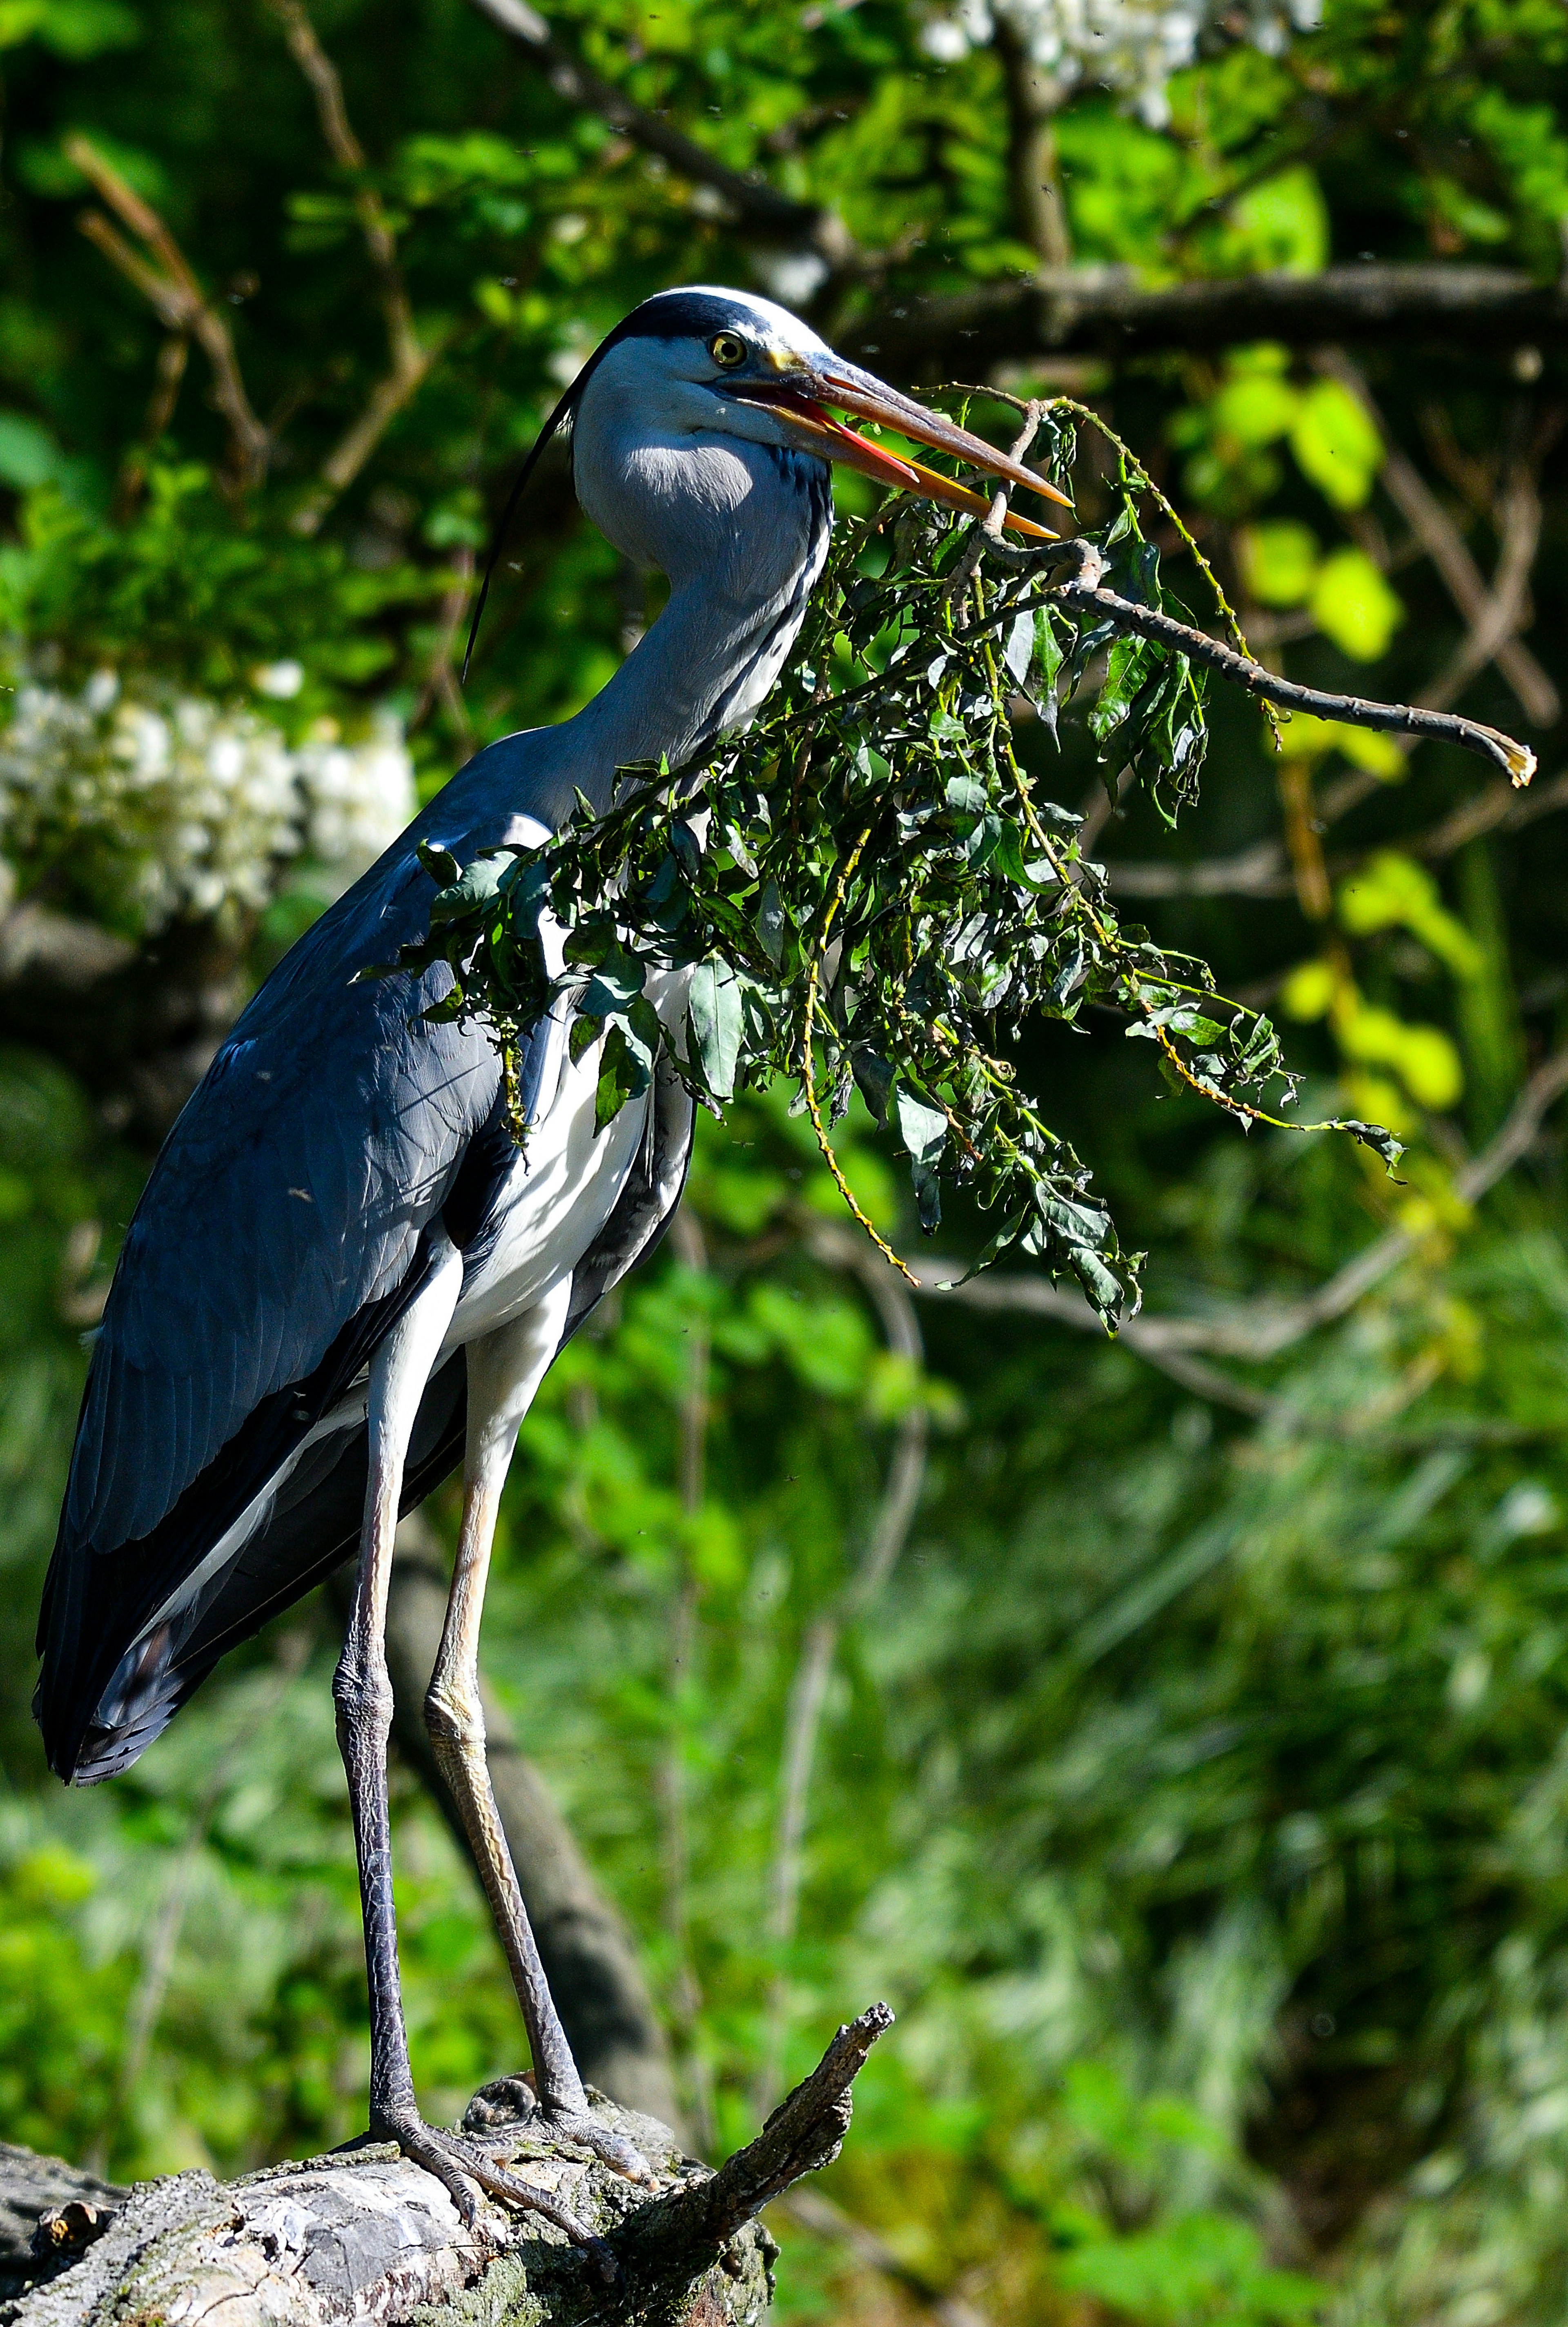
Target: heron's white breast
{"points": [[563, 1185]]}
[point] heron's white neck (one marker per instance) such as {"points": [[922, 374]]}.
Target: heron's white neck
{"points": [[704, 668], [741, 563], [741, 530]]}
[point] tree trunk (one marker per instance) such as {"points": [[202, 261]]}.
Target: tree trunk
{"points": [[363, 2234]]}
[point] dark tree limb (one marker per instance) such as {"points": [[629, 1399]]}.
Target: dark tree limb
{"points": [[1487, 310], [363, 2234], [749, 200]]}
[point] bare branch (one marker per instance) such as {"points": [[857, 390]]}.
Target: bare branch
{"points": [[1108, 312], [1503, 612], [804, 2133], [1260, 1330], [1444, 543], [1033, 95], [839, 1248], [175, 295], [1084, 588], [410, 361], [749, 200]]}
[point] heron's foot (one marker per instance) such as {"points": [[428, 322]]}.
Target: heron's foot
{"points": [[459, 2164], [517, 2098]]}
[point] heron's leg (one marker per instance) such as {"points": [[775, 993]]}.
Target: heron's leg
{"points": [[504, 1371], [362, 1690]]}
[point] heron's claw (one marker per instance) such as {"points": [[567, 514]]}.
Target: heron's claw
{"points": [[516, 2097], [458, 2164]]}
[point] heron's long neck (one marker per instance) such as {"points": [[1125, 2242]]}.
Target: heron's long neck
{"points": [[704, 665], [740, 579]]}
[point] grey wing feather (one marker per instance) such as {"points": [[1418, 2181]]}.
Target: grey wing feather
{"points": [[293, 1188]]}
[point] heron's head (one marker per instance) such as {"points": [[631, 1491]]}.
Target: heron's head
{"points": [[701, 395]]}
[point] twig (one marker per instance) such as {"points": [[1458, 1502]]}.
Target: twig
{"points": [[1444, 543], [986, 530], [1494, 627], [1258, 1331], [889, 1532], [807, 1063], [687, 1236], [167, 375], [173, 290], [804, 2133], [751, 200], [1084, 588], [410, 361]]}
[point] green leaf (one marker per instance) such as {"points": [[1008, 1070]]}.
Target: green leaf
{"points": [[440, 863], [617, 980], [1352, 605], [622, 1075], [713, 1007], [1336, 444]]}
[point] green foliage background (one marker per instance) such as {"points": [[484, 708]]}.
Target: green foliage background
{"points": [[1196, 1788]]}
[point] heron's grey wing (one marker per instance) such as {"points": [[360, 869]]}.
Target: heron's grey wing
{"points": [[285, 1222]]}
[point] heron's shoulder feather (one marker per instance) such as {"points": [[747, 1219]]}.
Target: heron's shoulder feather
{"points": [[290, 1195]]}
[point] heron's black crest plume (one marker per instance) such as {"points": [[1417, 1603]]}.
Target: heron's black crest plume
{"points": [[503, 523], [668, 315]]}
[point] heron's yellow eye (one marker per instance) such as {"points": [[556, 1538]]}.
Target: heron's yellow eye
{"points": [[727, 350]]}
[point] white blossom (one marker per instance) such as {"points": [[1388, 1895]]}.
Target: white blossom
{"points": [[155, 805], [1132, 46]]}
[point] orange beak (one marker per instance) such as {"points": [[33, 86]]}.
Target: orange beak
{"points": [[803, 396]]}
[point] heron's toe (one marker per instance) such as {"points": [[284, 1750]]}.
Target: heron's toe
{"points": [[458, 2164], [611, 2148]]}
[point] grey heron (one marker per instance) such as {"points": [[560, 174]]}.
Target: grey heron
{"points": [[343, 1275]]}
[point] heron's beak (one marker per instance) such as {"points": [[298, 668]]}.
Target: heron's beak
{"points": [[805, 393]]}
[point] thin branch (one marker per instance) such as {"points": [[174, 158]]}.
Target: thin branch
{"points": [[1257, 872], [1444, 543], [839, 1248], [173, 290], [410, 361], [804, 2133], [1084, 588], [1108, 312], [1033, 97], [690, 1248], [167, 375], [749, 200], [1504, 613], [1260, 1330]]}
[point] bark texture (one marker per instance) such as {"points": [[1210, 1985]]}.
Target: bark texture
{"points": [[364, 2235]]}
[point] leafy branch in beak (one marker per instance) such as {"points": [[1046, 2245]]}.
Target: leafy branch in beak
{"points": [[867, 890]]}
